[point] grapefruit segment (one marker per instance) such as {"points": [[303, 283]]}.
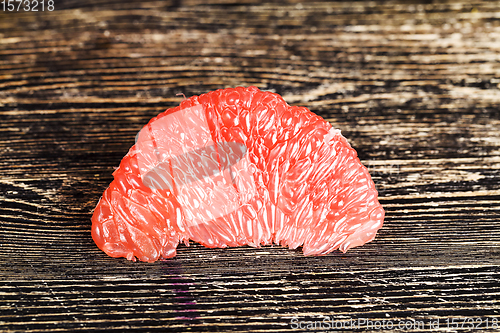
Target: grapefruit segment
{"points": [[237, 167]]}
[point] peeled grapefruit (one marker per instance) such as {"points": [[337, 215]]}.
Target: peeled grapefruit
{"points": [[237, 167]]}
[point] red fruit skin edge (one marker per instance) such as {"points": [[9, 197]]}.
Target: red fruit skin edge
{"points": [[311, 189]]}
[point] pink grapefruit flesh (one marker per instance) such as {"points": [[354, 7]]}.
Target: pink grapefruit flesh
{"points": [[237, 167]]}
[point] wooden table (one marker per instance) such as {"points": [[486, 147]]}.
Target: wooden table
{"points": [[413, 85]]}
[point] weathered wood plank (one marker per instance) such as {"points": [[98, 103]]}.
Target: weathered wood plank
{"points": [[414, 86]]}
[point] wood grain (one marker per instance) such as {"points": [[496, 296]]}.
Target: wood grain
{"points": [[414, 86]]}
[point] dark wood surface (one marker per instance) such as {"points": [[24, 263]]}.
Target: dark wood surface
{"points": [[413, 85]]}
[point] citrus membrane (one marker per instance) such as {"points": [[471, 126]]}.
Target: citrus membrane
{"points": [[235, 167]]}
